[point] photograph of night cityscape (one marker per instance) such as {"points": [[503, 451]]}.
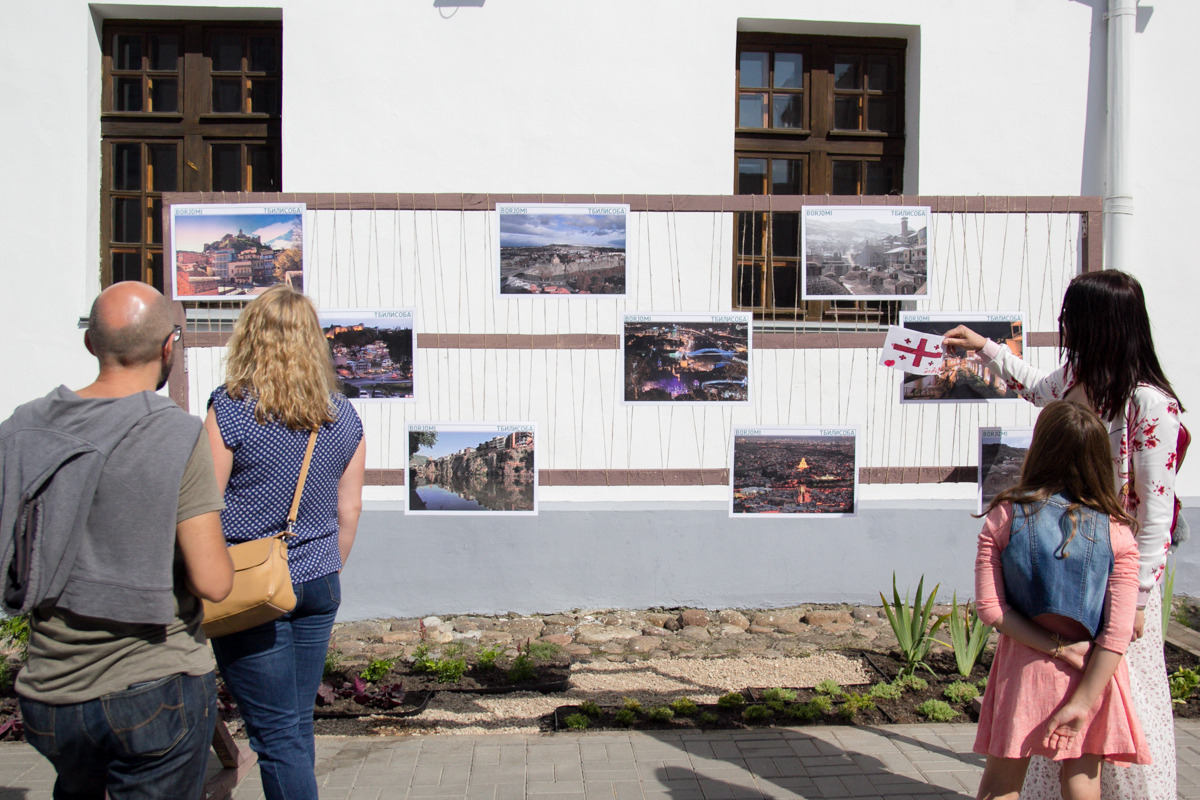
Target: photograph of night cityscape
{"points": [[1001, 455], [865, 252], [794, 471], [372, 352], [562, 249], [690, 358], [963, 377], [236, 251], [471, 469]]}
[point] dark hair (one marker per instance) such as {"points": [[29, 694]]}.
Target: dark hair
{"points": [[1070, 454], [1104, 332]]}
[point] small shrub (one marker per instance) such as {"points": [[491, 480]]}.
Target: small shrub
{"points": [[936, 711], [590, 708], [960, 692], [708, 718], [805, 712], [886, 691], [333, 664], [421, 660], [626, 717], [853, 704], [542, 651], [911, 683], [578, 722], [830, 688], [822, 703], [757, 714], [450, 670], [981, 684], [521, 670], [731, 700], [485, 658], [629, 704], [6, 675], [777, 694], [453, 650], [661, 713], [1183, 683], [684, 707], [376, 669], [776, 705], [16, 630]]}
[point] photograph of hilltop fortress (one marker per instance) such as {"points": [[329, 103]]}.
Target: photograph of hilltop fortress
{"points": [[480, 470], [372, 355], [1001, 456], [236, 255], [561, 253], [867, 253]]}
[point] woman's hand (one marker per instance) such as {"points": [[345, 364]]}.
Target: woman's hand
{"points": [[1075, 655], [1139, 624], [964, 338], [1064, 725]]}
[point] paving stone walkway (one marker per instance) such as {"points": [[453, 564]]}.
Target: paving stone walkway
{"points": [[891, 763]]}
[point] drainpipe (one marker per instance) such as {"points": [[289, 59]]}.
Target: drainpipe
{"points": [[1118, 184]]}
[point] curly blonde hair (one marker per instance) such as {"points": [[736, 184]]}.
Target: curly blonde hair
{"points": [[278, 355]]}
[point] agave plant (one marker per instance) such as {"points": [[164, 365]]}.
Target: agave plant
{"points": [[912, 626], [968, 635]]}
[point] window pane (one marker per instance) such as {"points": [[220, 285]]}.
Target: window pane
{"points": [[881, 114], [127, 167], [164, 51], [881, 73], [789, 71], [127, 51], [163, 171], [154, 220], [164, 95], [787, 286], [126, 267], [845, 74], [752, 111], [156, 271], [750, 285], [787, 176], [845, 177], [788, 111], [847, 111], [751, 232], [127, 94], [752, 176], [264, 54], [227, 53], [752, 69], [226, 168], [264, 168], [785, 235], [264, 96], [227, 95], [126, 221], [881, 178]]}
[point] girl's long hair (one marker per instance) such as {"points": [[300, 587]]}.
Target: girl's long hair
{"points": [[1104, 334], [1070, 454], [278, 355]]}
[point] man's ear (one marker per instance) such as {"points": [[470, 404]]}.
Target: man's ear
{"points": [[87, 342]]}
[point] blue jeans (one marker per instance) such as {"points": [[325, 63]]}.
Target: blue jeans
{"points": [[274, 671], [149, 741]]}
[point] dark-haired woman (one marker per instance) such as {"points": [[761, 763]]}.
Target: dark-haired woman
{"points": [[1111, 366]]}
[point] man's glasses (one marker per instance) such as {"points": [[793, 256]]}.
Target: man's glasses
{"points": [[174, 336]]}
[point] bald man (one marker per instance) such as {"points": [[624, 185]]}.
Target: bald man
{"points": [[111, 497]]}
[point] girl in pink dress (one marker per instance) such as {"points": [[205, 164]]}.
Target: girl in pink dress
{"points": [[1056, 574]]}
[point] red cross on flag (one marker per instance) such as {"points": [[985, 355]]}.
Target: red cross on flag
{"points": [[911, 351]]}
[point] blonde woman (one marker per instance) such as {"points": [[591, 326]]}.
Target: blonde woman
{"points": [[279, 385]]}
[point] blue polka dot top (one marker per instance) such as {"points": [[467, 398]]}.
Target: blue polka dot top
{"points": [[266, 466]]}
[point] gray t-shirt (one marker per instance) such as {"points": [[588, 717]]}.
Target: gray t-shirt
{"points": [[73, 658]]}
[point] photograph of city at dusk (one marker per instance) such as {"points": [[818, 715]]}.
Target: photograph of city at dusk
{"points": [[372, 351], [794, 471], [703, 358], [963, 377], [1001, 456], [561, 249], [235, 251]]}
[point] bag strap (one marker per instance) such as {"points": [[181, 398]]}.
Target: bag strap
{"points": [[295, 509]]}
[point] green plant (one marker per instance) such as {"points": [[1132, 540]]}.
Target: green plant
{"points": [[731, 700], [333, 664], [661, 713], [911, 625], [16, 630], [1168, 592], [684, 707], [485, 657], [626, 717], [806, 712], [885, 691], [708, 718], [590, 708], [542, 651], [782, 695], [968, 635], [911, 683], [936, 711], [757, 714], [6, 675], [960, 692], [629, 704], [450, 670], [578, 722], [1183, 682], [421, 660], [830, 688], [981, 684], [376, 669], [521, 670], [854, 703], [822, 703]]}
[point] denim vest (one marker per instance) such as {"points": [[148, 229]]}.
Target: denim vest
{"points": [[1039, 579]]}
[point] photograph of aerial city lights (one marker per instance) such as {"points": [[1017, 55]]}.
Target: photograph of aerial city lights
{"points": [[699, 358], [794, 471], [964, 377], [372, 352]]}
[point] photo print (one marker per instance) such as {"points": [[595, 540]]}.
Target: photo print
{"points": [[794, 471], [865, 252], [1001, 456], [685, 357], [963, 377], [563, 249], [373, 352], [472, 468], [235, 251]]}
